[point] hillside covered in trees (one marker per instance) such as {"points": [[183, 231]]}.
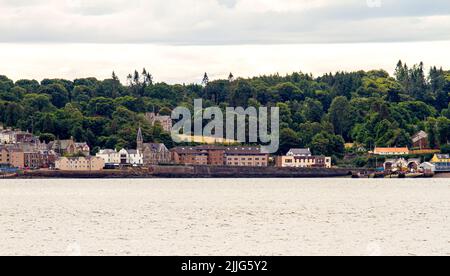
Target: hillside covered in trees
{"points": [[367, 108]]}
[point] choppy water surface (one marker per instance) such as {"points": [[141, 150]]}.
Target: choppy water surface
{"points": [[225, 217]]}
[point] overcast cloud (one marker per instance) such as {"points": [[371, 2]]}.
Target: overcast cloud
{"points": [[178, 40], [218, 22]]}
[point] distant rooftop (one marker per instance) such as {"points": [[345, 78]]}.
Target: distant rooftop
{"points": [[300, 152], [418, 136]]}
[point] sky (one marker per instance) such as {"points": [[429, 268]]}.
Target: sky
{"points": [[178, 40]]}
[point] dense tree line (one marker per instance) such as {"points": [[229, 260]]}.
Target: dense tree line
{"points": [[368, 108]]}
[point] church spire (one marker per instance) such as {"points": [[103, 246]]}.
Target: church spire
{"points": [[140, 140]]}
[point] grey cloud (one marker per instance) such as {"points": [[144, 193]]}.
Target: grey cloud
{"points": [[221, 22], [360, 10]]}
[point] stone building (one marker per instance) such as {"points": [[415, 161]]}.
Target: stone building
{"points": [[63, 147], [48, 158], [32, 159], [246, 157], [10, 136], [200, 155], [69, 147], [420, 140], [153, 153], [189, 156], [164, 121], [83, 148], [32, 155], [220, 156], [89, 163], [24, 137], [12, 156]]}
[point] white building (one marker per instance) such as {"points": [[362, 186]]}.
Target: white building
{"points": [[135, 157], [303, 158], [7, 136], [428, 167], [109, 156], [11, 136], [304, 162], [122, 157]]}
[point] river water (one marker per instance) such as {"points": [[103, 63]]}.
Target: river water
{"points": [[225, 217]]}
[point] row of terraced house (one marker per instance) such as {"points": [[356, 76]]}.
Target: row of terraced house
{"points": [[22, 150], [220, 156], [207, 155]]}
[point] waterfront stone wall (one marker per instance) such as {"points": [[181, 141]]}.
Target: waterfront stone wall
{"points": [[245, 172], [196, 172]]}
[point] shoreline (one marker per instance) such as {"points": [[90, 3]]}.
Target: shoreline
{"points": [[205, 172], [442, 175], [194, 172]]}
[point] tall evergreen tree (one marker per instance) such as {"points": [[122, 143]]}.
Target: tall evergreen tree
{"points": [[114, 76], [130, 80], [231, 77], [205, 80]]}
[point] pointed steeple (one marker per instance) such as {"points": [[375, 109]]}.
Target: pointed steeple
{"points": [[140, 140]]}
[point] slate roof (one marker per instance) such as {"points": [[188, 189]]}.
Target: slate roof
{"points": [[306, 152], [155, 147]]}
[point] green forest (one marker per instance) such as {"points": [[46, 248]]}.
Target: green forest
{"points": [[366, 108]]}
